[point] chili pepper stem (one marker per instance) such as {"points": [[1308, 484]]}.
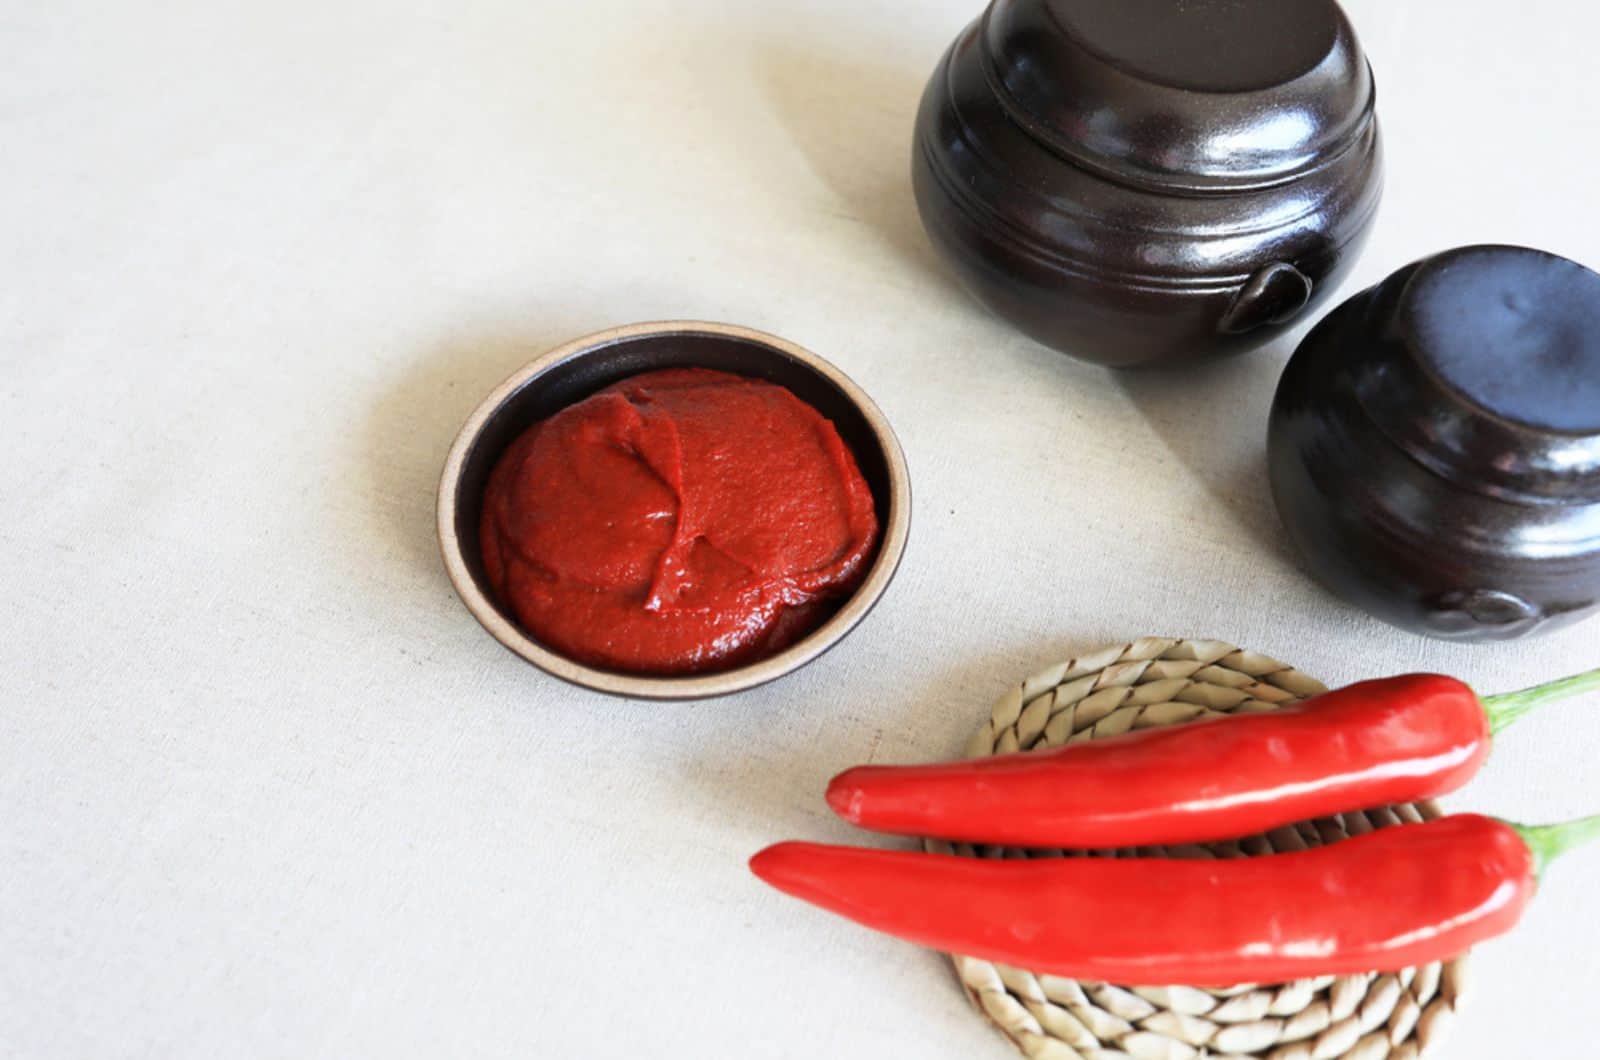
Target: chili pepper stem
{"points": [[1507, 707], [1550, 841]]}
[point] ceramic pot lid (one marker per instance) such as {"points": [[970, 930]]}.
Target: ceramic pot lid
{"points": [[1491, 374], [1183, 95]]}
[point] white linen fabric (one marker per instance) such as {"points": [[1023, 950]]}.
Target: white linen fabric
{"points": [[267, 790]]}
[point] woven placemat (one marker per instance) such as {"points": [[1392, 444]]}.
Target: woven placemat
{"points": [[1158, 681]]}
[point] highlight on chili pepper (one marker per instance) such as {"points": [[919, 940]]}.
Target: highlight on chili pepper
{"points": [[1397, 739], [1427, 892]]}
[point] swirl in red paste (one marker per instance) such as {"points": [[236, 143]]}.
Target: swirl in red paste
{"points": [[681, 521]]}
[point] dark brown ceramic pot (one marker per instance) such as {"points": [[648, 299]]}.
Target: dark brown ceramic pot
{"points": [[1435, 445], [1150, 181]]}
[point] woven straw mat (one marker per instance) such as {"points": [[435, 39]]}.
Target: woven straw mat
{"points": [[1158, 681]]}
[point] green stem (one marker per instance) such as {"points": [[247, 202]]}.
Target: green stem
{"points": [[1507, 707], [1550, 841]]}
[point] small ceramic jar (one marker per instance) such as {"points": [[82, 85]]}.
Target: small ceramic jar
{"points": [[1435, 445], [1150, 180]]}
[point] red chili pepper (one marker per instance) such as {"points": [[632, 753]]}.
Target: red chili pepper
{"points": [[1393, 898], [1399, 739]]}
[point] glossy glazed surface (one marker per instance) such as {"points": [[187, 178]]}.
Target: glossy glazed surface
{"points": [[1399, 470], [1374, 743], [1514, 332], [681, 521], [1203, 95], [1401, 896], [1124, 220]]}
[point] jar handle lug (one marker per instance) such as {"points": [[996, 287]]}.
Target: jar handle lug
{"points": [[1273, 295], [1483, 612]]}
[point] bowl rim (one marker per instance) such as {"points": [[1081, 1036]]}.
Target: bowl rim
{"points": [[891, 548]]}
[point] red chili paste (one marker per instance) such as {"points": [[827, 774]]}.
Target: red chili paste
{"points": [[681, 521]]}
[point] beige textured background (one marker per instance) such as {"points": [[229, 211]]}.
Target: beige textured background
{"points": [[266, 790]]}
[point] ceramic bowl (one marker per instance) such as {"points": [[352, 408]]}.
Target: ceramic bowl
{"points": [[574, 371]]}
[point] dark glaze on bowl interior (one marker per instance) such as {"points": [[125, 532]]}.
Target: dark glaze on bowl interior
{"points": [[1435, 445], [1150, 181]]}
